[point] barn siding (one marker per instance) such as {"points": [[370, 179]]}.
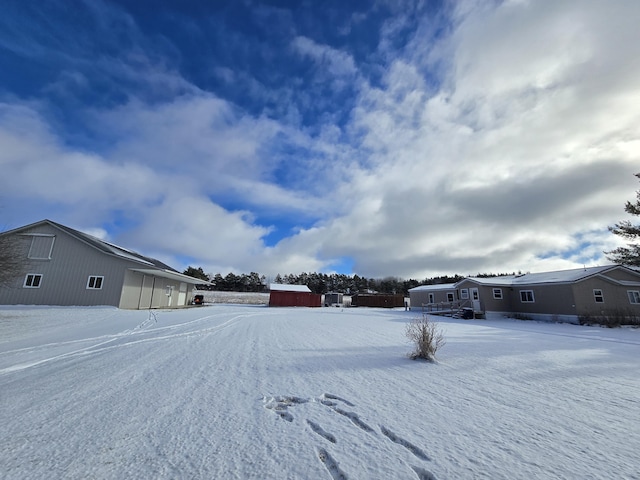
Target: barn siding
{"points": [[66, 271], [294, 299], [65, 275], [381, 301]]}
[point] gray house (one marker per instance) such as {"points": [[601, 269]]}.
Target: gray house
{"points": [[438, 298], [564, 295], [63, 266]]}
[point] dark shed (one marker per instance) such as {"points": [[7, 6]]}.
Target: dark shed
{"points": [[377, 300]]}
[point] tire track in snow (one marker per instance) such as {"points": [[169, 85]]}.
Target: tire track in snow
{"points": [[125, 339], [141, 328]]}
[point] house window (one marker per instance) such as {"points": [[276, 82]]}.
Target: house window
{"points": [[41, 247], [450, 297], [94, 282], [634, 296], [526, 296], [497, 293], [464, 294], [33, 280], [432, 298], [598, 296]]}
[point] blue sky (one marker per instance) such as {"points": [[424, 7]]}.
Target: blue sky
{"points": [[403, 138]]}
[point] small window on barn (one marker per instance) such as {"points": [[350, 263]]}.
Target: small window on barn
{"points": [[33, 280], [450, 297], [497, 293], [464, 293], [634, 296], [41, 247], [94, 282], [526, 296], [598, 296]]}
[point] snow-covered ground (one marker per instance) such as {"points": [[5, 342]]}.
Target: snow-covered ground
{"points": [[244, 391]]}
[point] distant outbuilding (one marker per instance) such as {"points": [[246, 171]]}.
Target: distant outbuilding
{"points": [[377, 300], [282, 295]]}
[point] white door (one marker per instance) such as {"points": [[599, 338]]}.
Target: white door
{"points": [[475, 299], [169, 292], [182, 294]]}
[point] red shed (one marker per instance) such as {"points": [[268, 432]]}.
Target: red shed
{"points": [[293, 296]]}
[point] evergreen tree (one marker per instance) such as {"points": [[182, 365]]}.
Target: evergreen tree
{"points": [[218, 280], [233, 283], [196, 273], [629, 255]]}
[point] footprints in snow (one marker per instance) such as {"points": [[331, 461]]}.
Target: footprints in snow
{"points": [[280, 405], [400, 441], [320, 431], [331, 465]]}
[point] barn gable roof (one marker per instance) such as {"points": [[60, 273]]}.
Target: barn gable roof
{"points": [[147, 264], [103, 246]]}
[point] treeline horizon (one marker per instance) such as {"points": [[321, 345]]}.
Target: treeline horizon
{"points": [[321, 283]]}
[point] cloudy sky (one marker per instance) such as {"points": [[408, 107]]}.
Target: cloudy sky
{"points": [[381, 138]]}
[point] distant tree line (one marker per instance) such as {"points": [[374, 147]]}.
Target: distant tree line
{"points": [[319, 282]]}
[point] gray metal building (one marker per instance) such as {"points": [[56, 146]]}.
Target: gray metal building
{"points": [[63, 266]]}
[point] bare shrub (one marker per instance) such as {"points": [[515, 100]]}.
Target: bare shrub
{"points": [[426, 337], [611, 318], [12, 264]]}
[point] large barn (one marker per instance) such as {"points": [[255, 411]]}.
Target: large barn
{"points": [[63, 266], [282, 295]]}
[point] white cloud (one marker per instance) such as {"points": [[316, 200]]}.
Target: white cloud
{"points": [[336, 63], [165, 164], [188, 225], [39, 170], [529, 146], [506, 143]]}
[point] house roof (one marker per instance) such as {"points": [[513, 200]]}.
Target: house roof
{"points": [[560, 276], [281, 287], [441, 286], [148, 264]]}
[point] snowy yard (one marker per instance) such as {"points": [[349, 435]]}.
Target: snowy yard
{"points": [[248, 391]]}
